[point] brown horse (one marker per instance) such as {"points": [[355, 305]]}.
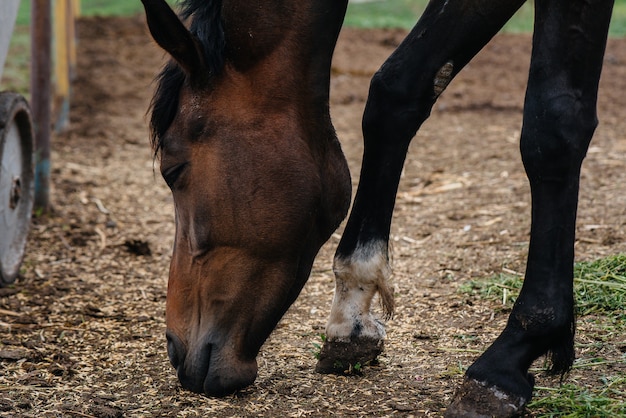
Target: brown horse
{"points": [[241, 123]]}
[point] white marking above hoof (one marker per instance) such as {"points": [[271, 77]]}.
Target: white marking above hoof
{"points": [[358, 278]]}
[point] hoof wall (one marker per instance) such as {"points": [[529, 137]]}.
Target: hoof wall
{"points": [[347, 357], [474, 399]]}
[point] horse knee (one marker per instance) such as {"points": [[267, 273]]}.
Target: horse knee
{"points": [[395, 109], [556, 134]]}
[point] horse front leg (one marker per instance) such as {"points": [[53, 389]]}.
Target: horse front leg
{"points": [[559, 121], [400, 99]]}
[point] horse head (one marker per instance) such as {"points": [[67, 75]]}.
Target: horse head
{"points": [[242, 130]]}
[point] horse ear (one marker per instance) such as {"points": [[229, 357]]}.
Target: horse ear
{"points": [[172, 35]]}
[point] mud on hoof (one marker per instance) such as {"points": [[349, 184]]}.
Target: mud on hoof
{"points": [[347, 357], [474, 399]]}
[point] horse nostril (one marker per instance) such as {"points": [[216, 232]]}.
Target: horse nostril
{"points": [[235, 377], [176, 350], [191, 364]]}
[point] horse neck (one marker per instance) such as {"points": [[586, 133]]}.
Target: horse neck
{"points": [[286, 44]]}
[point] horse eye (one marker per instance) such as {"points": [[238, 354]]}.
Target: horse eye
{"points": [[171, 174]]}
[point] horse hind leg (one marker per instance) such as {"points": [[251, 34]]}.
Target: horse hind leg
{"points": [[400, 99]]}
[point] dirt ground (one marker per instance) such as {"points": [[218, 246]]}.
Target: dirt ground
{"points": [[82, 330]]}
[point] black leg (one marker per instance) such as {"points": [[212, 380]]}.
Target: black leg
{"points": [[401, 97], [559, 121]]}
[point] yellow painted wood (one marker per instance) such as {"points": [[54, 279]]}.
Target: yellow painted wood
{"points": [[65, 58], [76, 8], [61, 54]]}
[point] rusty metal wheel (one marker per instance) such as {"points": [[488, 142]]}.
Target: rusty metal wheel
{"points": [[16, 182]]}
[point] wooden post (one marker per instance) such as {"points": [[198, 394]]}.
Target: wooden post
{"points": [[64, 59], [41, 32], [76, 7], [62, 9], [73, 13]]}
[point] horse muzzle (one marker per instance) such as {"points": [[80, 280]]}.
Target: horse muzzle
{"points": [[207, 369]]}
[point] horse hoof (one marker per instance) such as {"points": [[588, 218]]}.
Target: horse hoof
{"points": [[476, 399], [347, 357]]}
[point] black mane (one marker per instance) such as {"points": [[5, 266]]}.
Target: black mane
{"points": [[206, 27]]}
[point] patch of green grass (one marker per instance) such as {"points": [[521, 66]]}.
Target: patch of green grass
{"points": [[523, 20], [599, 286], [375, 14], [93, 8], [113, 7], [385, 14], [600, 292], [571, 400], [405, 13], [317, 347], [16, 73], [23, 14], [618, 20], [503, 287]]}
